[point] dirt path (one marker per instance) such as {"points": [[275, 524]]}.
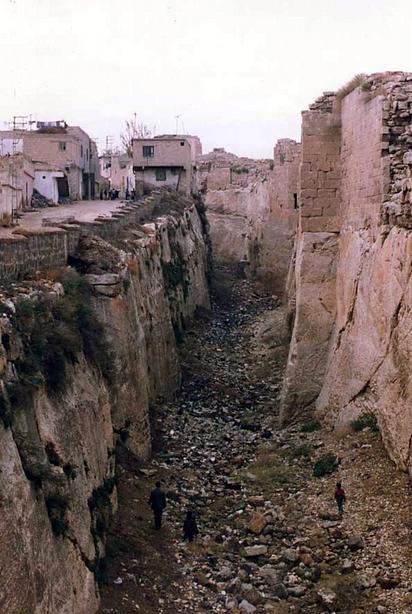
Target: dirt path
{"points": [[270, 540]]}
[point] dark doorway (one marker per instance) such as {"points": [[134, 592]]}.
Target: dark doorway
{"points": [[86, 186], [63, 187]]}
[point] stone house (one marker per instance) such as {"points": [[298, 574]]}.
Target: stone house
{"points": [[166, 160], [69, 150], [117, 170]]}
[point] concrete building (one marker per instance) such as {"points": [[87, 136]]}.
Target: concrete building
{"points": [[46, 180], [117, 169], [166, 160], [68, 149]]}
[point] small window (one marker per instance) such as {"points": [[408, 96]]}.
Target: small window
{"points": [[62, 146], [160, 174], [44, 176], [148, 151], [173, 171], [81, 151], [182, 143], [295, 200], [87, 154]]}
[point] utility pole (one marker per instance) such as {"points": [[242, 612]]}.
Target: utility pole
{"points": [[20, 123], [177, 123], [109, 143]]}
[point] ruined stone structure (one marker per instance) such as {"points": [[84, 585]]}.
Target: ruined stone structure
{"points": [[57, 450], [351, 346], [252, 209]]}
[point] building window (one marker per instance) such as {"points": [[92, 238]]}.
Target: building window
{"points": [[160, 174], [148, 151], [173, 171], [62, 146], [87, 154], [182, 143], [81, 151]]}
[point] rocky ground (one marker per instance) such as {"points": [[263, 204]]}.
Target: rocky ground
{"points": [[270, 539]]}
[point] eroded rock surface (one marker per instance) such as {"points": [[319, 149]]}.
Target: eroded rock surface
{"points": [[80, 365], [351, 345]]}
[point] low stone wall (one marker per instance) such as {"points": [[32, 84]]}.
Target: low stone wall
{"points": [[29, 251]]}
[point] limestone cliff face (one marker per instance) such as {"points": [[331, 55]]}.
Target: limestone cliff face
{"points": [[252, 210], [352, 339], [61, 420]]}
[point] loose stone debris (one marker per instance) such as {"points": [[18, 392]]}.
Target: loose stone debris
{"points": [[270, 536]]}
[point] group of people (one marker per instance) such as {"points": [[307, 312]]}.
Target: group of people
{"points": [[113, 194], [157, 502]]}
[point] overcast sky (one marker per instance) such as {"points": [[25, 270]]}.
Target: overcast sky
{"points": [[238, 72]]}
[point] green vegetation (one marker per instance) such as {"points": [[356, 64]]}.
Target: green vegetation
{"points": [[310, 426], [346, 89], [267, 473], [302, 451], [326, 465], [54, 331], [367, 420]]}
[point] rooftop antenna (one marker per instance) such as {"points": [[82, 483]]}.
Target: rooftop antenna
{"points": [[109, 143], [177, 123]]}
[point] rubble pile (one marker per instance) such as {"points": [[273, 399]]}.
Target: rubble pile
{"points": [[38, 201], [270, 538]]}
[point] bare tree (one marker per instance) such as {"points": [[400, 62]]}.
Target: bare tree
{"points": [[134, 130]]}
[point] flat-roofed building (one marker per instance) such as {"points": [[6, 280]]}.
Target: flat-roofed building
{"points": [[68, 149], [166, 160]]}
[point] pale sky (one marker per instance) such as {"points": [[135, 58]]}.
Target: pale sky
{"points": [[239, 72]]}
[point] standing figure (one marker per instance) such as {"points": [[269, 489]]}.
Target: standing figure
{"points": [[157, 502], [340, 497], [190, 529]]}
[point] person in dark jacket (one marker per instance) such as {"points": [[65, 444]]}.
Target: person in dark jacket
{"points": [[157, 502], [340, 497], [190, 529]]}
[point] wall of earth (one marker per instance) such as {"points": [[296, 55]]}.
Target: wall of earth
{"points": [[58, 449]]}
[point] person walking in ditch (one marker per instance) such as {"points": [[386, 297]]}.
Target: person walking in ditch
{"points": [[190, 530], [157, 502], [340, 497]]}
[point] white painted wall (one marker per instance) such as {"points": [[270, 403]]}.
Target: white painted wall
{"points": [[6, 146], [46, 183]]}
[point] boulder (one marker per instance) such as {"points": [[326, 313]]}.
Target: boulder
{"points": [[251, 551], [247, 607]]}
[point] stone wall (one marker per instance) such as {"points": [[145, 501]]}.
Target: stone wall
{"points": [[58, 450], [28, 251], [370, 357], [351, 344], [252, 210]]}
